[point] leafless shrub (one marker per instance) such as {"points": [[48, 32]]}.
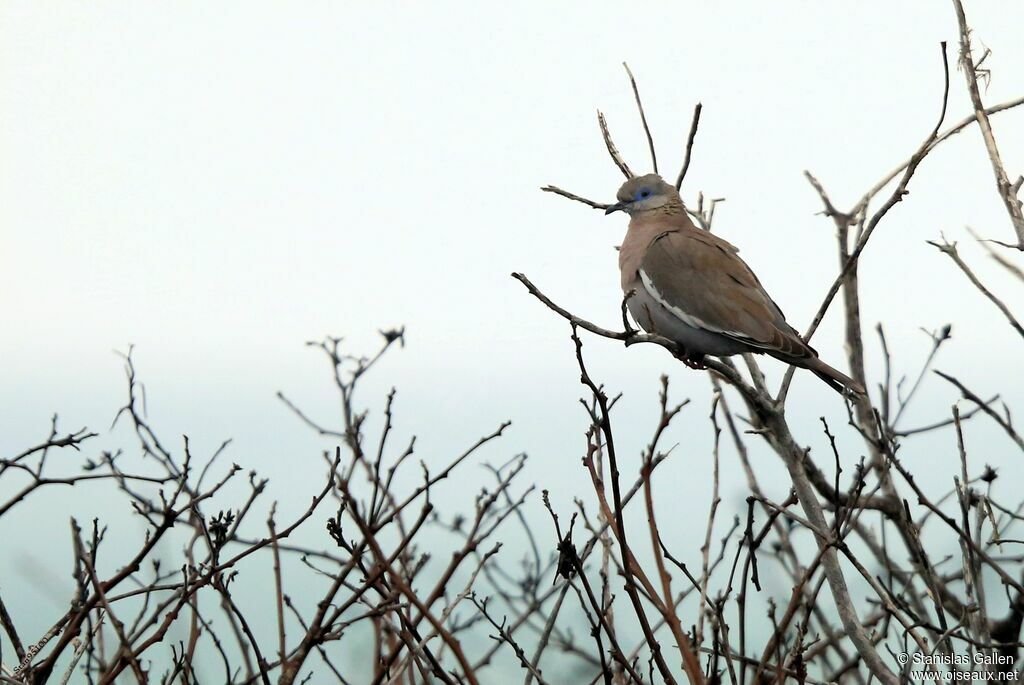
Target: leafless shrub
{"points": [[375, 570]]}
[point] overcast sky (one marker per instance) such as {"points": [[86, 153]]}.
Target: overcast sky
{"points": [[217, 183]]}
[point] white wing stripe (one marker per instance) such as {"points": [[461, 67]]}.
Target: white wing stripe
{"points": [[688, 319]]}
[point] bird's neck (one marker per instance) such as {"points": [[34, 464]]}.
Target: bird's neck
{"points": [[674, 207], [671, 213], [644, 228]]}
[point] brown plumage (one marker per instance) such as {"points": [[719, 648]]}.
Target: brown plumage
{"points": [[691, 286]]}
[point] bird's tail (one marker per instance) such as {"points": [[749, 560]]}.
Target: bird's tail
{"points": [[837, 380]]}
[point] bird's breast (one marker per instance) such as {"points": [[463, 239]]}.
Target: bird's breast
{"points": [[638, 238]]}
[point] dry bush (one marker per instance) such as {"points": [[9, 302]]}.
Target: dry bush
{"points": [[380, 567]]}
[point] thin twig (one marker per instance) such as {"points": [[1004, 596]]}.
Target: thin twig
{"points": [[643, 117], [689, 146]]}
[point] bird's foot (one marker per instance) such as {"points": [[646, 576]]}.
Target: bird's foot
{"points": [[695, 360]]}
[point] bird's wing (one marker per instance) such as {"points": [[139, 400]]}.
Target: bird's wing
{"points": [[701, 279]]}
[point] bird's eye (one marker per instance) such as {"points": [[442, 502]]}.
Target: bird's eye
{"points": [[644, 193]]}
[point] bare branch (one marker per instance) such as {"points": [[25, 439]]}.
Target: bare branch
{"points": [[949, 249], [1007, 191], [612, 150], [643, 117], [689, 146]]}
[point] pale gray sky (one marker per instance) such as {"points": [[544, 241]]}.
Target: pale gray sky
{"points": [[217, 183]]}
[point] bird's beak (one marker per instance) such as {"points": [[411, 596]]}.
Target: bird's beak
{"points": [[617, 207]]}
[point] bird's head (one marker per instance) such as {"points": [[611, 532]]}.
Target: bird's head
{"points": [[645, 193]]}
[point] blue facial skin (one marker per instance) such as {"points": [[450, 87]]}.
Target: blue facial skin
{"points": [[642, 194]]}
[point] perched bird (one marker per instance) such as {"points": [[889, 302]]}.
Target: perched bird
{"points": [[690, 286]]}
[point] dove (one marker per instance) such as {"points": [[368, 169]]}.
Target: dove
{"points": [[689, 285]]}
